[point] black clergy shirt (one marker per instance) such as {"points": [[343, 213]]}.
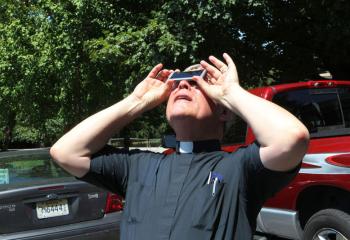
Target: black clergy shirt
{"points": [[205, 194]]}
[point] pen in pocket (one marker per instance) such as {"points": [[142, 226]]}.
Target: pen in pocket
{"points": [[214, 186], [209, 178]]}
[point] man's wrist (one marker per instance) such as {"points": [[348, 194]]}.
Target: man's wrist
{"points": [[233, 96], [135, 105]]}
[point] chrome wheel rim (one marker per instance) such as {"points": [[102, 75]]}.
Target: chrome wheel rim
{"points": [[328, 234]]}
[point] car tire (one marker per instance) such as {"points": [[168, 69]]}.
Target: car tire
{"points": [[328, 224]]}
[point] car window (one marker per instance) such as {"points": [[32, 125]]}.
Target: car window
{"points": [[325, 112], [235, 131], [28, 168]]}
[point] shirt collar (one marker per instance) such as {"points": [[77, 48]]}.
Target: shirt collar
{"points": [[197, 146]]}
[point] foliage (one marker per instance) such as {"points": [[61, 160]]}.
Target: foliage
{"points": [[61, 61], [310, 37]]}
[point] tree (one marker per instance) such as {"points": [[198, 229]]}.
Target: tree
{"points": [[61, 61], [309, 37]]}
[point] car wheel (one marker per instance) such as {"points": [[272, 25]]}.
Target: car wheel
{"points": [[328, 224]]}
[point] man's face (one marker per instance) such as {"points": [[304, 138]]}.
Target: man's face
{"points": [[188, 102]]}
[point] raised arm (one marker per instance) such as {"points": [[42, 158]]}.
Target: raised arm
{"points": [[283, 138], [73, 151]]}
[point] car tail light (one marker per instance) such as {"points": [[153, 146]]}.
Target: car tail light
{"points": [[341, 160], [114, 203]]}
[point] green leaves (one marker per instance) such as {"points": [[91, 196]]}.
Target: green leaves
{"points": [[61, 61]]}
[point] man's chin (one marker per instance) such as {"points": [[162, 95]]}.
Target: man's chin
{"points": [[177, 120], [181, 117]]}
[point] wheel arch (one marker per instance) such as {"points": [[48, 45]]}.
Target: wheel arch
{"points": [[316, 198]]}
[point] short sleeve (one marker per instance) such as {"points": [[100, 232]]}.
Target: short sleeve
{"points": [[261, 183], [109, 169]]}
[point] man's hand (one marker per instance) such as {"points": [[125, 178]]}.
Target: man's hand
{"points": [[222, 78], [155, 88]]}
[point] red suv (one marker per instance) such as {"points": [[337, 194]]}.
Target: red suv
{"points": [[316, 205]]}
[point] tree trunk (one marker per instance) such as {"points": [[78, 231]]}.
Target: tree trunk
{"points": [[8, 130]]}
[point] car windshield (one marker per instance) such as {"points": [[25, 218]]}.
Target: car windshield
{"points": [[24, 168]]}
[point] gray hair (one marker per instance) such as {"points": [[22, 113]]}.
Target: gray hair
{"points": [[194, 67]]}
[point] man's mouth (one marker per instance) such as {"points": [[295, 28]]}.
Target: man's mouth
{"points": [[183, 97]]}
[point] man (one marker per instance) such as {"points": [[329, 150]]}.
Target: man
{"points": [[199, 192]]}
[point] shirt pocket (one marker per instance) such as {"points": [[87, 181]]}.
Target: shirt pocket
{"points": [[207, 207], [137, 202]]}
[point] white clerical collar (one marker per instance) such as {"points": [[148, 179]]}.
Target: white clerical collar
{"points": [[198, 146], [185, 147]]}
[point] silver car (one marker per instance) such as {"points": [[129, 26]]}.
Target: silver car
{"points": [[39, 200]]}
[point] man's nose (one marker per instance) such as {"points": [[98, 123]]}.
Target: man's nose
{"points": [[184, 84]]}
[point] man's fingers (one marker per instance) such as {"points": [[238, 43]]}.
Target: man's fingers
{"points": [[212, 71], [163, 75], [218, 64], [153, 73], [201, 83], [231, 65], [169, 84]]}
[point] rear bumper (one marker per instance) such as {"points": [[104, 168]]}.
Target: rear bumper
{"points": [[106, 228]]}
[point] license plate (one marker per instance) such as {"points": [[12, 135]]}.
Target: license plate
{"points": [[52, 208]]}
